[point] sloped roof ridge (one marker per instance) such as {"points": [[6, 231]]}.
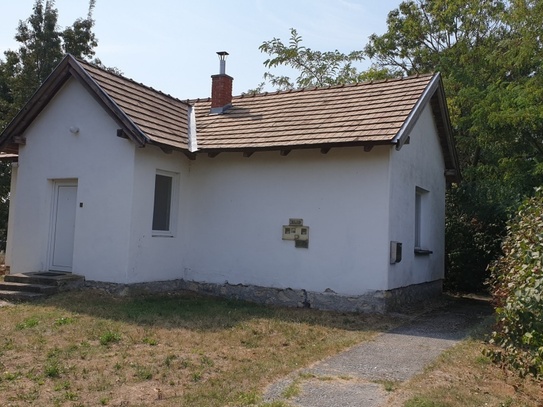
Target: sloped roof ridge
{"points": [[150, 88], [315, 88]]}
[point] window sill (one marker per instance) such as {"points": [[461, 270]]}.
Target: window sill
{"points": [[162, 235], [422, 252]]}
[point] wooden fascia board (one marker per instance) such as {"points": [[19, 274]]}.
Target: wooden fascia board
{"points": [[36, 103], [435, 89], [9, 158], [68, 67], [447, 128], [325, 146], [403, 133], [10, 148], [130, 128]]}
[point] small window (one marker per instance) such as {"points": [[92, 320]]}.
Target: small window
{"points": [[420, 198], [164, 204]]}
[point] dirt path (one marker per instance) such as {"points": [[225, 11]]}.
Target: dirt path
{"points": [[360, 375]]}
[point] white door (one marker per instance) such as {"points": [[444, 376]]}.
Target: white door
{"points": [[63, 226]]}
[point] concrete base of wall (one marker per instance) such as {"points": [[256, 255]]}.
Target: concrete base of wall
{"points": [[376, 301]]}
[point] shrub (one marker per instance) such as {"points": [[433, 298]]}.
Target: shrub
{"points": [[516, 283], [474, 229]]}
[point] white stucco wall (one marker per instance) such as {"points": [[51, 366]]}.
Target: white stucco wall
{"points": [[418, 164], [238, 206], [229, 209], [103, 165], [153, 258]]}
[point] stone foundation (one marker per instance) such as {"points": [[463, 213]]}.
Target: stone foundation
{"points": [[377, 301]]}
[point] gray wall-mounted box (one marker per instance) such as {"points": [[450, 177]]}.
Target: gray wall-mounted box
{"points": [[395, 252]]}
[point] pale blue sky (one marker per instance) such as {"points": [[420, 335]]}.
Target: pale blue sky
{"points": [[171, 44]]}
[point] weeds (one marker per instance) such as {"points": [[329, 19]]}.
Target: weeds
{"points": [[87, 348], [64, 321], [462, 376], [292, 390], [109, 337], [143, 373], [28, 323]]}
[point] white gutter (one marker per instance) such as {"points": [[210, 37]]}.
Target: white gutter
{"points": [[192, 142]]}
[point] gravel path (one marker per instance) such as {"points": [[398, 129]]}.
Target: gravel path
{"points": [[358, 376]]}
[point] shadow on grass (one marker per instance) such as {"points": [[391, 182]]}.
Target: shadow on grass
{"points": [[204, 313], [454, 318]]}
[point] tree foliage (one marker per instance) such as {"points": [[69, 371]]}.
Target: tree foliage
{"points": [[517, 288], [42, 46], [489, 54], [315, 68]]}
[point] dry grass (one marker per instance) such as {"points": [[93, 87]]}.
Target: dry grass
{"points": [[464, 377], [91, 349]]}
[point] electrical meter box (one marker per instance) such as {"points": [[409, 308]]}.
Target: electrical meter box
{"points": [[296, 231]]}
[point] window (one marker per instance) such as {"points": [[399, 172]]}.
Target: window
{"points": [[418, 217], [164, 204], [421, 197]]}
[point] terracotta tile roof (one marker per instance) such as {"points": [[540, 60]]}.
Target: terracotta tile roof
{"points": [[162, 118], [352, 114]]}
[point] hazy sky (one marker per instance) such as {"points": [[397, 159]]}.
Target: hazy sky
{"points": [[171, 44]]}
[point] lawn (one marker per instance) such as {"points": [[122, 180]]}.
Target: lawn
{"points": [[88, 349], [463, 377]]}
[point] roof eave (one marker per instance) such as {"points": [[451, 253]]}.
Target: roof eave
{"points": [[453, 174], [409, 123], [131, 129], [36, 103], [434, 89], [66, 69], [366, 143]]}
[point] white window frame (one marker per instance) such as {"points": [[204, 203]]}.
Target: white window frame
{"points": [[421, 196], [174, 194]]}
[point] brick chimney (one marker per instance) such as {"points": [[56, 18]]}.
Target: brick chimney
{"points": [[221, 87]]}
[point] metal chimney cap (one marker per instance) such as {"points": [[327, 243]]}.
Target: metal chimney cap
{"points": [[222, 54]]}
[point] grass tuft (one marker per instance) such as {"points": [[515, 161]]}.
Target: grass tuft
{"points": [[109, 337], [64, 321], [28, 323]]}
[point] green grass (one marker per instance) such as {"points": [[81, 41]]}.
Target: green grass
{"points": [[463, 376], [109, 338], [89, 348]]}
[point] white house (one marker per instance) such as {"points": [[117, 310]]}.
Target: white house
{"points": [[328, 197]]}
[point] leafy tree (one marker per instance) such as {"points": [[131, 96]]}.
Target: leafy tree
{"points": [[489, 54], [516, 285], [315, 68], [42, 46]]}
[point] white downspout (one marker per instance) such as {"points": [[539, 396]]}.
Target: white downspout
{"points": [[11, 213], [192, 142]]}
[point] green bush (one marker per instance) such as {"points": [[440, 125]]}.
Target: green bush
{"points": [[474, 229], [516, 283]]}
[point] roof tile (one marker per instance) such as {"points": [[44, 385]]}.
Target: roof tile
{"points": [[359, 113], [162, 118], [367, 112]]}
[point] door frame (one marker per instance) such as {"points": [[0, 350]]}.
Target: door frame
{"points": [[57, 183]]}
